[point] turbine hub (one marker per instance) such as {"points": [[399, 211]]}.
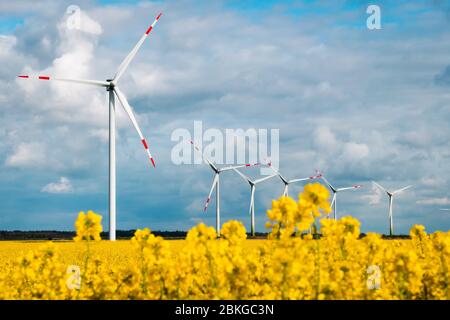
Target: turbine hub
{"points": [[111, 84]]}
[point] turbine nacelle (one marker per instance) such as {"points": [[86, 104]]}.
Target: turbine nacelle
{"points": [[111, 85]]}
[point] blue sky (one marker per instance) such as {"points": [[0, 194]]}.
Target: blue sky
{"points": [[360, 105]]}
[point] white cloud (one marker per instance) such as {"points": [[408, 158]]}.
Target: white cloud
{"points": [[62, 186], [89, 25], [325, 139], [375, 197], [101, 134], [67, 102], [355, 151], [7, 43], [433, 182], [27, 155], [435, 201]]}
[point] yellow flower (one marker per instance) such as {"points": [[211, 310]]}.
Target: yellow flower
{"points": [[88, 226], [417, 231], [141, 237], [200, 233], [287, 216], [340, 229], [234, 232], [315, 197]]}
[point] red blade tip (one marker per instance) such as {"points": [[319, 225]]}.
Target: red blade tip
{"points": [[144, 143]]}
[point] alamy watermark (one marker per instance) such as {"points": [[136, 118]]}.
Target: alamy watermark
{"points": [[227, 147], [374, 277], [73, 282], [73, 21], [373, 22]]}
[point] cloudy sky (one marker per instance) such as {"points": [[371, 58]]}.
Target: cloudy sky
{"points": [[358, 104]]}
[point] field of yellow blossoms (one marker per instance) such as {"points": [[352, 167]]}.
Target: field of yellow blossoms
{"points": [[291, 264]]}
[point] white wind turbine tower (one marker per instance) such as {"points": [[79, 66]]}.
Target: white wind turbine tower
{"points": [[335, 192], [391, 201], [253, 184], [216, 184], [113, 89], [288, 182]]}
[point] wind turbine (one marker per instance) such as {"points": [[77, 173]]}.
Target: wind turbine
{"points": [[253, 184], [444, 209], [391, 200], [335, 192], [216, 184], [113, 89], [288, 182]]}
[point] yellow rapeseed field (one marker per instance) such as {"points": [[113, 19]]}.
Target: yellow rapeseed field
{"points": [[120, 252], [289, 265]]}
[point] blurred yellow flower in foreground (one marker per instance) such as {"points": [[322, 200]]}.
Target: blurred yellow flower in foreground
{"points": [[88, 226]]}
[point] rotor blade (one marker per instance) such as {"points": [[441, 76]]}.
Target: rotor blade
{"points": [[304, 179], [327, 182], [282, 177], [286, 190], [334, 199], [264, 179], [242, 175], [252, 198], [402, 189], [205, 158], [80, 81], [379, 186], [320, 174], [129, 111], [269, 164], [125, 63], [349, 188], [239, 166], [444, 209], [210, 192]]}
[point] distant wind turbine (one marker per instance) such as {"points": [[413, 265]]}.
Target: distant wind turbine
{"points": [[113, 90], [444, 209], [253, 184], [216, 184], [391, 195], [335, 192]]}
